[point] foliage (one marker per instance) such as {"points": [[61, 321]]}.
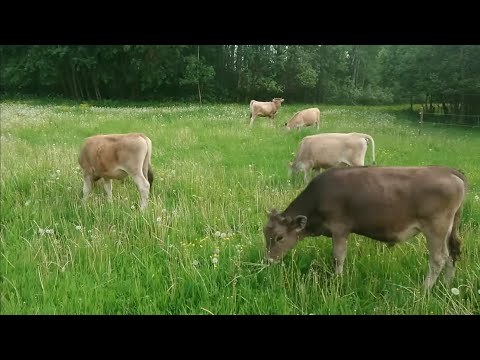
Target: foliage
{"points": [[445, 78]]}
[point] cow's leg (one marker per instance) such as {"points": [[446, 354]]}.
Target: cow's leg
{"points": [[449, 270], [252, 118], [290, 171], [107, 185], [87, 185], [143, 187], [272, 120], [450, 263], [437, 234], [339, 241], [305, 175]]}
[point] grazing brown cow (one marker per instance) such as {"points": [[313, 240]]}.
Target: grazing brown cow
{"points": [[116, 156], [323, 151], [307, 117], [268, 108], [388, 204]]}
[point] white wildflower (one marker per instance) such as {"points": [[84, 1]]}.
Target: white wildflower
{"points": [[69, 188], [159, 219], [214, 260], [455, 291], [217, 233], [28, 202], [49, 231], [477, 198], [132, 207], [195, 263], [78, 227], [223, 235], [41, 231], [164, 210], [58, 171]]}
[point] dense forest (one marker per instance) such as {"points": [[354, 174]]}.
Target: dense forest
{"points": [[445, 78]]}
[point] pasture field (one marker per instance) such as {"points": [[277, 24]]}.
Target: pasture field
{"points": [[198, 247]]}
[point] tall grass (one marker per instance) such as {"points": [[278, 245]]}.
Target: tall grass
{"points": [[198, 247]]}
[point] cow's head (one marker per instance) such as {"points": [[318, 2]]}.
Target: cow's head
{"points": [[278, 101], [281, 234]]}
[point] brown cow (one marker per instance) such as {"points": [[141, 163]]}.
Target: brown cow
{"points": [[307, 117], [388, 204], [262, 109], [116, 156]]}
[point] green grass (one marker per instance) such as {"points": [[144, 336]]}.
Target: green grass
{"points": [[214, 179]]}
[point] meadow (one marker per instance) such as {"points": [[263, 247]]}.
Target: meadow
{"points": [[198, 247]]}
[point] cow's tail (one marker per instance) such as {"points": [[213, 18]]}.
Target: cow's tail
{"points": [[454, 242], [369, 138], [251, 110], [147, 163]]}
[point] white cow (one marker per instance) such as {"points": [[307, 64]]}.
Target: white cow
{"points": [[307, 117], [323, 151]]}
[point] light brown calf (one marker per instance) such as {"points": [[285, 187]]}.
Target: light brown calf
{"points": [[116, 156], [268, 108]]}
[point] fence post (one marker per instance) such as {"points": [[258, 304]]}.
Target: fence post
{"points": [[420, 122]]}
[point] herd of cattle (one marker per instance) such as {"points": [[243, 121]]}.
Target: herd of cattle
{"points": [[389, 204]]}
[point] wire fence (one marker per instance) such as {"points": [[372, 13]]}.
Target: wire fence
{"points": [[471, 121]]}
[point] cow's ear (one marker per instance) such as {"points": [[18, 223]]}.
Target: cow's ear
{"points": [[300, 222]]}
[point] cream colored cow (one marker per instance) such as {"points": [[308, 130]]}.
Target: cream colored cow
{"points": [[262, 109], [307, 117], [323, 151]]}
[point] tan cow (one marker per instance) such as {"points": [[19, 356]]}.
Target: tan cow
{"points": [[388, 204], [307, 117], [262, 109], [323, 151], [116, 156]]}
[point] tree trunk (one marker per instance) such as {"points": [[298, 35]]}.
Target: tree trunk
{"points": [[84, 77], [75, 91], [198, 74], [355, 65]]}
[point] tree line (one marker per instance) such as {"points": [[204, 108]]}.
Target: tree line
{"points": [[445, 78]]}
